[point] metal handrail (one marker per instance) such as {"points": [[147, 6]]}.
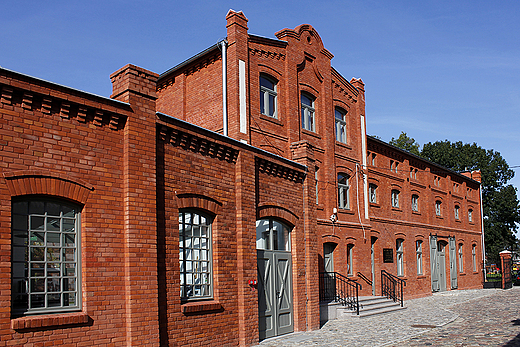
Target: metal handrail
{"points": [[364, 278], [392, 286], [338, 288]]}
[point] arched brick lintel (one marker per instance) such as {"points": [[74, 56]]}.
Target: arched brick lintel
{"points": [[198, 201], [277, 212], [45, 182]]}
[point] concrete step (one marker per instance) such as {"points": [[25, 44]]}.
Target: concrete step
{"points": [[372, 305]]}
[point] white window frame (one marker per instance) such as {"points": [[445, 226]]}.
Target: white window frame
{"points": [[266, 94], [341, 124], [399, 252], [438, 208], [415, 203], [470, 215], [195, 255], [418, 252], [457, 212], [308, 112], [350, 259], [395, 198], [372, 193], [343, 191], [474, 257], [461, 258], [272, 235], [46, 256]]}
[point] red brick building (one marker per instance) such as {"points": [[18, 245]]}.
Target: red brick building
{"points": [[131, 220]]}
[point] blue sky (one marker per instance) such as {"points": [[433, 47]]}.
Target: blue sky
{"points": [[434, 69]]}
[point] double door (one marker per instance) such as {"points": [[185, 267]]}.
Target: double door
{"points": [[275, 302]]}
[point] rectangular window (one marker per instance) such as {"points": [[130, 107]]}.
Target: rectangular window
{"points": [[395, 198], [415, 203], [343, 191], [307, 105], [372, 195], [457, 212], [341, 125], [470, 215], [474, 257], [400, 255], [45, 257], [268, 96], [461, 259], [373, 159], [350, 250], [437, 208], [195, 255], [418, 251]]}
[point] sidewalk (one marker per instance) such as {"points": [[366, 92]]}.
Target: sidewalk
{"points": [[421, 323]]}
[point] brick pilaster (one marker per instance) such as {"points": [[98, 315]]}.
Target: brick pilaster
{"points": [[137, 87], [246, 249], [303, 153]]}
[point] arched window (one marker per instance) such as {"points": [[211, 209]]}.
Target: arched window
{"points": [[307, 105], [457, 208], [195, 255], [272, 235], [45, 256], [470, 215], [268, 96], [343, 191], [341, 124], [399, 251]]}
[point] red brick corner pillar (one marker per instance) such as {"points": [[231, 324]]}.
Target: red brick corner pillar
{"points": [[137, 87], [505, 268], [303, 153]]}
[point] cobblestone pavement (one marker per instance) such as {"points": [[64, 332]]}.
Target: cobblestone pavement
{"points": [[480, 317]]}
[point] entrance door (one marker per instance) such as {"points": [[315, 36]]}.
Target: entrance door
{"points": [[328, 256], [441, 265], [275, 306], [434, 264], [453, 263], [373, 260], [274, 293]]}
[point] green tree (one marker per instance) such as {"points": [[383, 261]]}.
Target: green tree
{"points": [[499, 200], [407, 143]]}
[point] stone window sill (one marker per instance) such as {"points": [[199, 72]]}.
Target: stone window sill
{"points": [[49, 320]]}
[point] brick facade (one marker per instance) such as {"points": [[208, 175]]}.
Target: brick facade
{"points": [[134, 161]]}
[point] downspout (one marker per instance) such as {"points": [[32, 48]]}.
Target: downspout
{"points": [[482, 226], [223, 45], [364, 161]]}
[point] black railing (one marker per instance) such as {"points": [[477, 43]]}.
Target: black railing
{"points": [[364, 278], [392, 286], [334, 287]]}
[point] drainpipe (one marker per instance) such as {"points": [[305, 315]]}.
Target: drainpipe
{"points": [[482, 225], [223, 45]]}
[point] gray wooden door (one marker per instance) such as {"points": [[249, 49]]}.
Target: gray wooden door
{"points": [[453, 263], [373, 263], [434, 264], [328, 257], [441, 265], [275, 306]]}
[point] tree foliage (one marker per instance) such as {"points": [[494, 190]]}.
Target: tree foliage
{"points": [[499, 199], [407, 143]]}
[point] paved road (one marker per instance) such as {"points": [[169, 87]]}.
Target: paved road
{"points": [[483, 317]]}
